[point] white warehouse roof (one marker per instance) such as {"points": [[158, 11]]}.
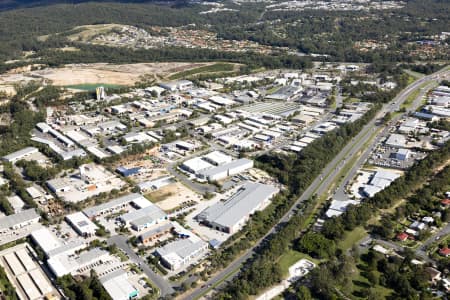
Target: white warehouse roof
{"points": [[196, 164], [15, 156], [217, 158], [81, 223], [228, 213], [118, 286], [45, 239]]}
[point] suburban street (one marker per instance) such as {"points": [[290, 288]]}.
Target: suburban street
{"points": [[421, 251], [121, 242], [329, 175]]}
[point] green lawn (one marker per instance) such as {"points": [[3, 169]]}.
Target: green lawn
{"points": [[218, 67], [350, 100], [291, 257], [90, 87], [273, 90], [361, 283], [413, 96], [414, 76], [351, 238]]}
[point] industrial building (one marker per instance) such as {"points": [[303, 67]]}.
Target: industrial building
{"points": [[116, 205], [25, 274], [46, 240], [338, 207], [229, 169], [16, 203], [125, 172], [118, 286], [154, 234], [230, 215], [183, 251], [177, 85], [74, 264], [19, 220], [153, 185], [21, 154], [81, 224], [402, 154], [396, 141], [379, 181], [144, 217], [195, 165], [90, 180], [217, 158]]}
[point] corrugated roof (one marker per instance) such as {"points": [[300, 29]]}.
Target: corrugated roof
{"points": [[225, 167], [149, 214], [156, 230], [21, 217], [93, 211], [231, 211], [20, 153]]}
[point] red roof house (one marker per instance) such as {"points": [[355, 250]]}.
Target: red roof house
{"points": [[445, 202], [444, 251], [402, 236]]}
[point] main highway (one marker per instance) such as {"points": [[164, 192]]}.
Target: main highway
{"points": [[329, 175]]}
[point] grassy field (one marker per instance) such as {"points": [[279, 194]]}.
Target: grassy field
{"points": [[273, 90], [215, 68], [361, 283], [90, 87], [413, 96], [350, 100], [158, 196], [291, 257], [351, 238]]}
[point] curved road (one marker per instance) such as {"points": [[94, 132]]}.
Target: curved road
{"points": [[321, 184]]}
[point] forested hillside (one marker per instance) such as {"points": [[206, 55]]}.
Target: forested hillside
{"points": [[332, 33]]}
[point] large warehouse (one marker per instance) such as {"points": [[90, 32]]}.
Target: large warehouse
{"points": [[229, 169], [183, 251], [81, 224], [116, 205], [144, 217], [195, 165], [19, 220], [118, 286], [230, 215]]}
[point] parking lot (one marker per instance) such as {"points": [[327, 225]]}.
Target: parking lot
{"points": [[17, 234], [387, 157]]}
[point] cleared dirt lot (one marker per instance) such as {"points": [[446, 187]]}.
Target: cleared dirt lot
{"points": [[126, 74], [172, 196]]}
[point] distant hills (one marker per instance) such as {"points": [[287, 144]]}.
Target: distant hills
{"points": [[13, 4]]}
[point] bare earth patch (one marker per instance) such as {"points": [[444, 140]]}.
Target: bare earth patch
{"points": [[126, 74]]}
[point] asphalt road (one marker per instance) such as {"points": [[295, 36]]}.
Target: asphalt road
{"points": [[340, 191], [321, 184], [121, 242], [421, 251]]}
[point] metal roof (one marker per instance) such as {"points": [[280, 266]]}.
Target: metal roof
{"points": [[228, 166], [21, 217], [118, 286], [182, 248], [19, 154], [156, 230], [242, 203], [146, 215], [94, 211], [45, 239]]}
